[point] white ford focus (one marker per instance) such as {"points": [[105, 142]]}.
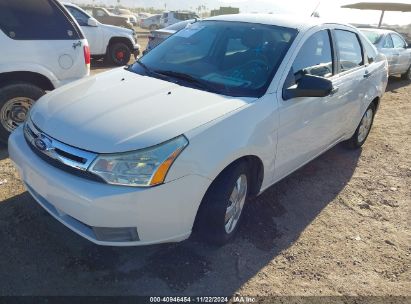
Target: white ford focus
{"points": [[178, 141]]}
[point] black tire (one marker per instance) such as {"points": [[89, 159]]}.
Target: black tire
{"points": [[210, 222], [119, 54], [7, 93], [407, 75], [355, 142]]}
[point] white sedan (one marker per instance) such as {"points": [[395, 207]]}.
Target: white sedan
{"points": [[178, 142]]}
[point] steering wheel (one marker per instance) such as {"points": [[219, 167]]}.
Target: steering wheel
{"points": [[255, 70]]}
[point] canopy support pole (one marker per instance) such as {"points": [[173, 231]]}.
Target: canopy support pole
{"points": [[382, 16]]}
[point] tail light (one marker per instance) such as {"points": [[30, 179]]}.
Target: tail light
{"points": [[87, 54]]}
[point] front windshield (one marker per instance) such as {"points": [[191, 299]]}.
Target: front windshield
{"points": [[374, 37], [230, 58]]}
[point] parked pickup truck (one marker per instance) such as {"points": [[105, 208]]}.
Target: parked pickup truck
{"points": [[104, 16], [115, 43]]}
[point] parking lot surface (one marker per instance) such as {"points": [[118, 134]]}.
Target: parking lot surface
{"points": [[338, 226]]}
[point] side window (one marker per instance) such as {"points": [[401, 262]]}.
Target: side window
{"points": [[370, 51], [397, 41], [388, 44], [36, 20], [101, 13], [81, 18], [315, 57], [349, 50]]}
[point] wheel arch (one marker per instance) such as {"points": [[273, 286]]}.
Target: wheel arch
{"points": [[376, 102], [26, 76], [256, 172], [118, 40]]}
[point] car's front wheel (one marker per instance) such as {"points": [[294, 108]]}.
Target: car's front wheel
{"points": [[119, 53], [363, 129], [16, 99], [221, 209]]}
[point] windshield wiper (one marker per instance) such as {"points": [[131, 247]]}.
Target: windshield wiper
{"points": [[146, 68], [188, 78]]}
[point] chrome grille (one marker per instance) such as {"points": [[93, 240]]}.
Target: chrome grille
{"points": [[50, 148]]}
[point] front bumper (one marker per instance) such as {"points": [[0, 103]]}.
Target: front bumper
{"points": [[136, 51], [160, 214]]}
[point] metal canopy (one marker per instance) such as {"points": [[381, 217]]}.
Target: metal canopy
{"points": [[381, 6]]}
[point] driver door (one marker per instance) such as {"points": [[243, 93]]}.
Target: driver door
{"points": [[307, 123]]}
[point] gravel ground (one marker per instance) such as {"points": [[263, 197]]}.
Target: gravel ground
{"points": [[338, 226]]}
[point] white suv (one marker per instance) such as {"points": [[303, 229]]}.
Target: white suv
{"points": [[41, 48], [117, 44], [214, 115]]}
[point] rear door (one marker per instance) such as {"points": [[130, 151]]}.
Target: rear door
{"points": [[400, 50], [351, 81], [388, 50], [44, 34]]}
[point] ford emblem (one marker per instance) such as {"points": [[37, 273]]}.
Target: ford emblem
{"points": [[41, 144]]}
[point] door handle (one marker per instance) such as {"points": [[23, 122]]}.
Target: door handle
{"points": [[334, 90], [367, 74]]}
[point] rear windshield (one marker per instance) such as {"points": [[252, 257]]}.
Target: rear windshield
{"points": [[374, 37], [37, 20], [179, 25]]}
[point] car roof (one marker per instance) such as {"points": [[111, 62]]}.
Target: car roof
{"points": [[376, 30], [291, 21]]}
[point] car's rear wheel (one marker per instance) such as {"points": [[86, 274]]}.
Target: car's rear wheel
{"points": [[221, 209], [119, 53], [407, 75], [363, 129], [15, 102]]}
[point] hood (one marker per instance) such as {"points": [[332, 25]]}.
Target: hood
{"points": [[113, 16], [117, 29], [120, 111]]}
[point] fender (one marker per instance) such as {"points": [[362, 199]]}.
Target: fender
{"points": [[210, 151], [30, 67]]}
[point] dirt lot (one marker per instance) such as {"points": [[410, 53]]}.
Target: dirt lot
{"points": [[338, 226]]}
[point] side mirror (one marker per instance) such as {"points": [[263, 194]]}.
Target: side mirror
{"points": [[92, 22], [309, 86]]}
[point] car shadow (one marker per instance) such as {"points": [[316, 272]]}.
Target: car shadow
{"points": [[100, 64], [395, 83], [41, 256], [3, 151], [103, 64]]}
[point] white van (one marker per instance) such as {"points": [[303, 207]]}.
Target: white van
{"points": [[169, 18], [42, 48]]}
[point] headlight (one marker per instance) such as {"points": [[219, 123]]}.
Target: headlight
{"points": [[142, 168]]}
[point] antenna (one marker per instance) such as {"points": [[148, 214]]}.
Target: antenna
{"points": [[315, 13]]}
